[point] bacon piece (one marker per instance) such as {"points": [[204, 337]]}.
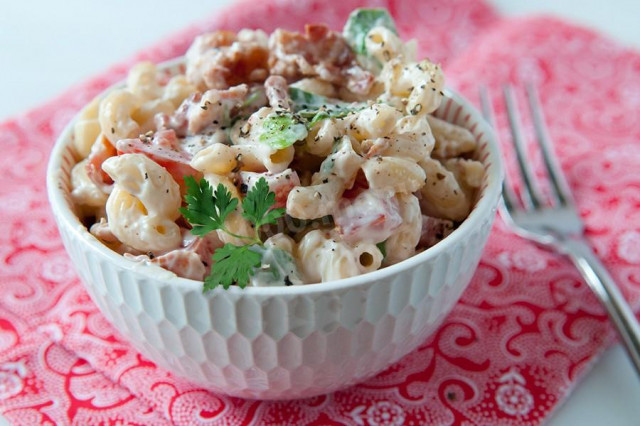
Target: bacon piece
{"points": [[100, 151], [318, 52], [434, 230], [193, 261], [205, 247], [205, 112], [183, 263], [277, 91], [221, 59]]}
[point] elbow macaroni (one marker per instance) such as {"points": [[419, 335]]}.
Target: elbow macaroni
{"points": [[337, 172], [442, 195], [360, 182], [324, 257], [402, 243], [87, 129], [116, 115], [143, 206]]}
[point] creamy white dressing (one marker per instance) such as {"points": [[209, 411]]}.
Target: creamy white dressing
{"points": [[196, 143], [370, 217], [360, 170], [278, 268]]}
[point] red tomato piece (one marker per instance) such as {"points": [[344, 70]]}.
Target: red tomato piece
{"points": [[164, 150], [369, 216]]}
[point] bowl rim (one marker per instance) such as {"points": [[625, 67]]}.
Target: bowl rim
{"points": [[65, 217]]}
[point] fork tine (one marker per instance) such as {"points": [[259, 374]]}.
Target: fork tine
{"points": [[558, 181], [531, 195], [508, 196]]}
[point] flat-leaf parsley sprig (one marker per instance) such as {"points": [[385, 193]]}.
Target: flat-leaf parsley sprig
{"points": [[207, 211]]}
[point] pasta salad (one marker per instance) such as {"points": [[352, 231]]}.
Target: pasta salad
{"points": [[280, 159]]}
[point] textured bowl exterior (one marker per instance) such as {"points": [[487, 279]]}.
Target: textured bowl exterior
{"points": [[290, 342]]}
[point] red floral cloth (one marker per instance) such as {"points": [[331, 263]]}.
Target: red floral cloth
{"points": [[523, 333]]}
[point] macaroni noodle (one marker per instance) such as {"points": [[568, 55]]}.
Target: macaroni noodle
{"points": [[339, 127]]}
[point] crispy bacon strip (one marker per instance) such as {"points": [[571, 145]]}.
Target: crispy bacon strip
{"points": [[205, 112], [222, 59], [319, 52], [277, 91], [193, 261], [434, 230], [100, 151]]}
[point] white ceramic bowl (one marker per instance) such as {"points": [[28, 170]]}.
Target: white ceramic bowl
{"points": [[281, 342]]}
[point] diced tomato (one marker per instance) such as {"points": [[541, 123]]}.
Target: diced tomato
{"points": [[163, 149], [360, 184], [367, 217], [282, 191]]}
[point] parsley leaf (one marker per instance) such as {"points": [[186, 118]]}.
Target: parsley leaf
{"points": [[206, 210], [233, 265], [256, 205], [282, 129]]}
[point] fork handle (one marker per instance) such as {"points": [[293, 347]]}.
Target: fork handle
{"points": [[597, 277]]}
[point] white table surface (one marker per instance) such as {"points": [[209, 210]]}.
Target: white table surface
{"points": [[47, 46]]}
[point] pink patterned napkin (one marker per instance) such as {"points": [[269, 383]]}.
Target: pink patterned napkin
{"points": [[522, 335]]}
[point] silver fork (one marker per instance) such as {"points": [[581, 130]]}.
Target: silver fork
{"points": [[557, 224]]}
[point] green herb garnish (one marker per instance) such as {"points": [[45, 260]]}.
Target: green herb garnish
{"points": [[207, 211], [256, 205], [360, 22], [232, 264], [314, 108], [282, 129]]}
